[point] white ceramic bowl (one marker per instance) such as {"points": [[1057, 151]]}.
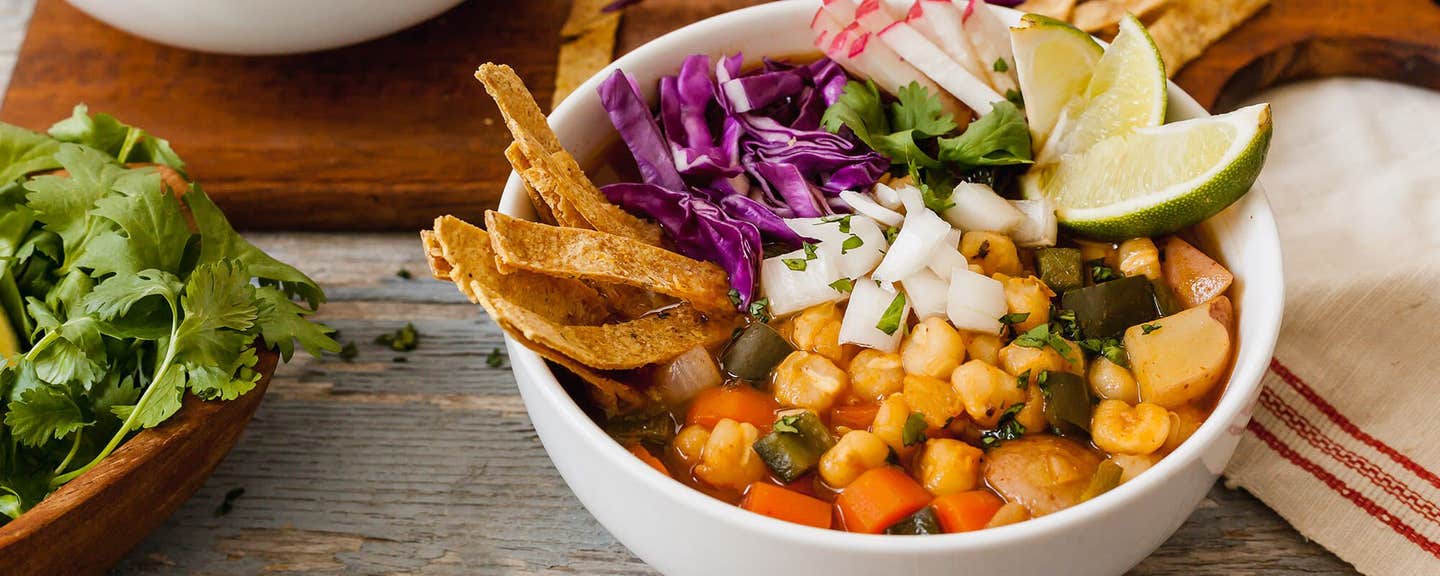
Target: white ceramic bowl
{"points": [[257, 27], [683, 532]]}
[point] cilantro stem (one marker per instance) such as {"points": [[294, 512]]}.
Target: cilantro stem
{"points": [[50, 336], [74, 447], [58, 481]]}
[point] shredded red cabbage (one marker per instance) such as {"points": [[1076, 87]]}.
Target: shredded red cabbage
{"points": [[729, 155]]}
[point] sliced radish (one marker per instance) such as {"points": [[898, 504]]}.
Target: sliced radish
{"points": [[867, 206], [976, 301], [790, 290], [989, 40], [914, 48], [852, 48], [887, 197], [928, 293], [868, 304], [1039, 228], [947, 256], [860, 257], [978, 207], [922, 233], [940, 22]]}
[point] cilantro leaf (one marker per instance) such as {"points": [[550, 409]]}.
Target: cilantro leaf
{"points": [[892, 317], [852, 242], [859, 109], [843, 285], [1008, 428], [44, 413], [1015, 318], [282, 324], [63, 203], [914, 431], [1148, 328], [139, 305], [24, 152], [219, 241], [146, 228], [496, 359], [917, 109], [796, 264], [71, 352], [123, 142], [787, 424], [1000, 138]]}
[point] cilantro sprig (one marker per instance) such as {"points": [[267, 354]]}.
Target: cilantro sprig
{"points": [[126, 294]]}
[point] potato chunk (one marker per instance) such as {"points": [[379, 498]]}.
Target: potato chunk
{"points": [[1183, 356], [1195, 277], [1042, 473]]}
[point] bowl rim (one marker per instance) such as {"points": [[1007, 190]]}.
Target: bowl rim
{"points": [[1240, 391]]}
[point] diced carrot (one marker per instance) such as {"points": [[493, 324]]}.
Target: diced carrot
{"points": [[648, 458], [790, 506], [739, 403], [854, 416], [966, 511], [879, 498]]}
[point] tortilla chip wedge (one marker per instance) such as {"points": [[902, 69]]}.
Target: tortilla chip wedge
{"points": [[522, 303], [1057, 9], [1103, 16], [1188, 27], [541, 148], [461, 253], [601, 257]]}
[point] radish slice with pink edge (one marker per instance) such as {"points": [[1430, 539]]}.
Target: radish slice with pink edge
{"points": [[940, 22], [910, 45], [989, 40], [864, 205], [868, 304], [856, 50]]}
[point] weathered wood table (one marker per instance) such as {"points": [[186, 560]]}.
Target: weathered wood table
{"points": [[425, 463]]}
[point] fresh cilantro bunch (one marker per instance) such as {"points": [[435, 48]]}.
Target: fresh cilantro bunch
{"points": [[914, 130], [123, 297]]}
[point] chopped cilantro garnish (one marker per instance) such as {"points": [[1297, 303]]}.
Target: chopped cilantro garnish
{"points": [[402, 340], [787, 424], [890, 233], [1041, 336], [797, 264], [404, 274], [1099, 272], [809, 249], [843, 285], [1008, 428], [1148, 328], [1015, 318], [349, 351], [1001, 66], [891, 318], [495, 359], [734, 297], [851, 243], [760, 310], [1023, 380], [1015, 97], [1110, 348], [914, 431]]}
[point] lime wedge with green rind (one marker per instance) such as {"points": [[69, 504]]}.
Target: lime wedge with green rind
{"points": [[1157, 180], [1053, 61], [1126, 92]]}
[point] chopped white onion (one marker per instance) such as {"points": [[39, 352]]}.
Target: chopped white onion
{"points": [[927, 293], [887, 197], [682, 378], [977, 207], [976, 301], [795, 290], [922, 233], [865, 205], [911, 198], [947, 255], [852, 262], [1039, 228], [867, 306]]}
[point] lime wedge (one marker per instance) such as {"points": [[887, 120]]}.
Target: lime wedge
{"points": [[1053, 60], [1126, 92], [1157, 180]]}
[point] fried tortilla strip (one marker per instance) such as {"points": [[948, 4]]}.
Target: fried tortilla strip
{"points": [[547, 210], [1057, 9], [587, 43], [610, 394], [1188, 27], [461, 253], [1102, 17], [542, 149], [652, 339], [601, 257]]}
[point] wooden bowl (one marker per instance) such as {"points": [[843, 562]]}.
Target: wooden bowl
{"points": [[88, 525]]}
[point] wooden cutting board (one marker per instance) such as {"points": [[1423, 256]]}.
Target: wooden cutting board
{"points": [[389, 134]]}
